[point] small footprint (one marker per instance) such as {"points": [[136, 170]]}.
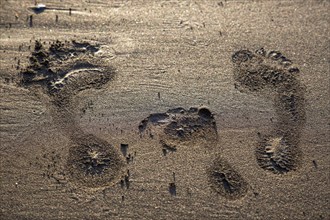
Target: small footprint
{"points": [[178, 127], [225, 180]]}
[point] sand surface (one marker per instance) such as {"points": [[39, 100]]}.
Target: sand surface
{"points": [[164, 110]]}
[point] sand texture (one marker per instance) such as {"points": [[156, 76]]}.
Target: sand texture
{"points": [[169, 109]]}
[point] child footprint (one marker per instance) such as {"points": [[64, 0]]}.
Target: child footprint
{"points": [[271, 72], [225, 181], [179, 129]]}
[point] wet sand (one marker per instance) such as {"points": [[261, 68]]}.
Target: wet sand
{"points": [[250, 140]]}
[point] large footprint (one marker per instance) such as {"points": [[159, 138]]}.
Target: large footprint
{"points": [[61, 71], [271, 73]]}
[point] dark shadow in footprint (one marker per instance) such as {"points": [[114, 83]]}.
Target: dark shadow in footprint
{"points": [[274, 75], [225, 180]]}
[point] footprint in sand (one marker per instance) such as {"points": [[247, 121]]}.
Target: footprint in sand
{"points": [[64, 69], [61, 71], [225, 180], [271, 74], [93, 162], [179, 128]]}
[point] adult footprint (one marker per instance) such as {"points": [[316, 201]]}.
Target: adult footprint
{"points": [[62, 70], [271, 73]]}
